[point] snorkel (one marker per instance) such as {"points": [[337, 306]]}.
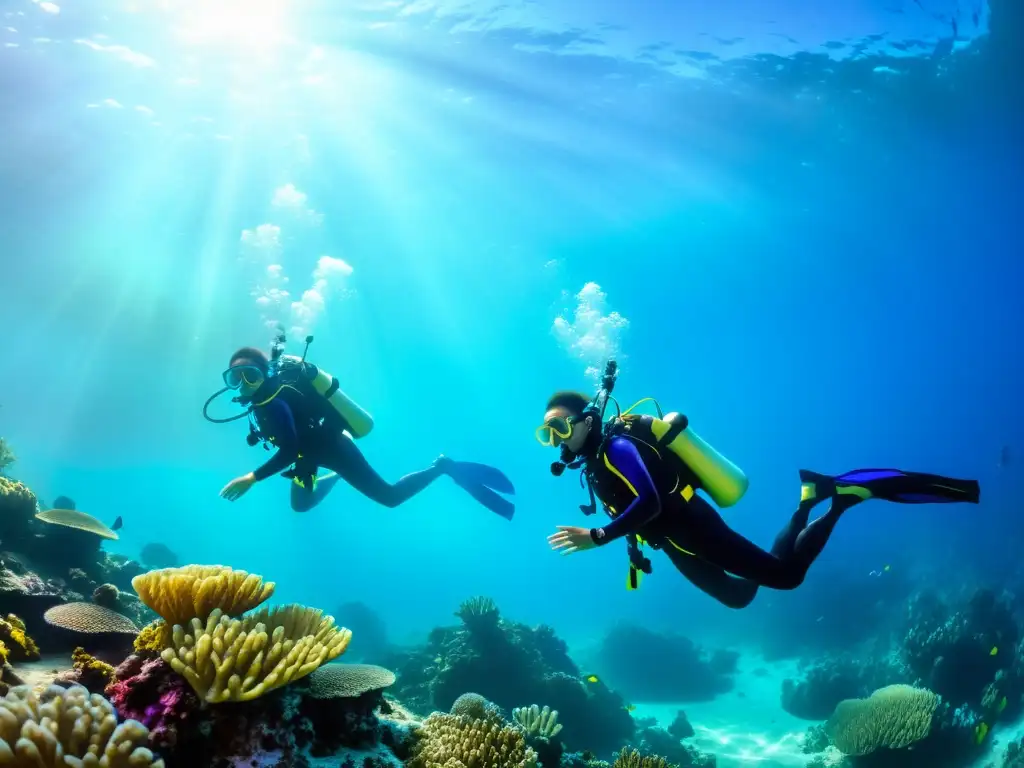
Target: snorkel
{"points": [[596, 408]]}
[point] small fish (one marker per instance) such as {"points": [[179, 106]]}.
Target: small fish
{"points": [[118, 524], [592, 679], [628, 707], [1002, 705], [887, 568], [980, 732], [994, 651]]}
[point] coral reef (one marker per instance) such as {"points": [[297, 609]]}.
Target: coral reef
{"points": [[77, 520], [658, 741], [107, 596], [227, 659], [179, 595], [18, 646], [891, 718], [831, 679], [290, 726], [534, 666], [450, 741], [475, 707], [69, 727], [17, 514], [675, 669], [87, 671]]}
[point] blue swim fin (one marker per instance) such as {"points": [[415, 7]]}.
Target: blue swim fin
{"points": [[481, 481], [482, 474]]}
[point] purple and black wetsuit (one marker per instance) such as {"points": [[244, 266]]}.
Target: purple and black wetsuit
{"points": [[722, 562]]}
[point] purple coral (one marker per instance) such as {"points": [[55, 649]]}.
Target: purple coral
{"points": [[149, 691]]}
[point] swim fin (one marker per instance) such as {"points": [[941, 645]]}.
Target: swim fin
{"points": [[481, 481], [485, 475], [889, 485]]}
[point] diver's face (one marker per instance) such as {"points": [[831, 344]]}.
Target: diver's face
{"points": [[565, 429], [248, 376]]}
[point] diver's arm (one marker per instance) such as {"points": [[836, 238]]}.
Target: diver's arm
{"points": [[280, 423], [624, 456]]}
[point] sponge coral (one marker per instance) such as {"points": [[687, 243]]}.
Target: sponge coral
{"points": [[892, 717], [69, 729], [452, 741], [227, 659], [179, 595]]}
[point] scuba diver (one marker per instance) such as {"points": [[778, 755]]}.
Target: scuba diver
{"points": [[646, 472], [299, 408]]}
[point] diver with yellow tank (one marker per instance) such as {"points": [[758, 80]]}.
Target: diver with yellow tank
{"points": [[646, 472], [301, 410]]}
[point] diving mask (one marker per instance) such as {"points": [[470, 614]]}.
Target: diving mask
{"points": [[555, 430], [237, 375]]}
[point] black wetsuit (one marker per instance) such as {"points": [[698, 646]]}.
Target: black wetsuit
{"points": [[311, 437], [656, 499]]}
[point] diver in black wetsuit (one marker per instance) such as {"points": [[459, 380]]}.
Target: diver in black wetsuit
{"points": [[304, 414], [650, 493]]}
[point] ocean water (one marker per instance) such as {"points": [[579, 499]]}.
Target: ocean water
{"points": [[797, 223]]}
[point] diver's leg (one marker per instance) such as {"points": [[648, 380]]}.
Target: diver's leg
{"points": [[730, 591], [891, 485], [710, 538], [348, 462]]}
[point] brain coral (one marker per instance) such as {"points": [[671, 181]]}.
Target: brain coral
{"points": [[892, 717]]}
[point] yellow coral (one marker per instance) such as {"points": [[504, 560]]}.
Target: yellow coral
{"points": [[89, 666], [13, 630], [179, 595], [633, 759], [153, 637], [892, 717], [62, 728], [457, 741], [538, 722], [4, 653], [227, 659]]}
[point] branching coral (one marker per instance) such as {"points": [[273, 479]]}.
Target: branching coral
{"points": [[633, 759], [451, 741], [538, 722], [478, 611], [16, 641], [227, 659], [892, 717], [179, 595], [69, 729]]}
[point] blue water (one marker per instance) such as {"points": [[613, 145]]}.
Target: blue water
{"points": [[803, 222]]}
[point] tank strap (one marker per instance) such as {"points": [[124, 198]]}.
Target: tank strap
{"points": [[335, 386], [640, 402], [675, 429]]}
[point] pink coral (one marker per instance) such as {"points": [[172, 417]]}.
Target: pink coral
{"points": [[148, 690]]}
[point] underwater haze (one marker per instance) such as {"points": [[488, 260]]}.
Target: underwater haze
{"points": [[797, 223]]}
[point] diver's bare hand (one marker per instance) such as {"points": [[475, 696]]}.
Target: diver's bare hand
{"points": [[237, 487], [570, 539]]}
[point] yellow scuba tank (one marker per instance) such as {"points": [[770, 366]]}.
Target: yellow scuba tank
{"points": [[359, 421], [723, 481]]}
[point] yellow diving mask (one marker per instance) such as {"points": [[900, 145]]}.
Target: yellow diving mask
{"points": [[238, 375], [554, 431]]}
